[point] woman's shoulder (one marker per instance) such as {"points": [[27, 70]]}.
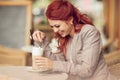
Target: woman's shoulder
{"points": [[88, 29]]}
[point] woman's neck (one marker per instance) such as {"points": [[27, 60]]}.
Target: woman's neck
{"points": [[72, 32]]}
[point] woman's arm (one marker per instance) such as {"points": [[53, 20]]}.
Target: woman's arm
{"points": [[40, 39], [89, 55], [58, 56]]}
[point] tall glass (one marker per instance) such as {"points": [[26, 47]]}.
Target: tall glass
{"points": [[36, 51]]}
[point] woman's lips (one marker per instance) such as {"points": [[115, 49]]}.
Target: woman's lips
{"points": [[60, 33]]}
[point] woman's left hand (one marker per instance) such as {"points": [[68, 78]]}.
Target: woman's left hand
{"points": [[44, 62]]}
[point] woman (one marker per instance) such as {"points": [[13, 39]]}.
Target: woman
{"points": [[80, 53]]}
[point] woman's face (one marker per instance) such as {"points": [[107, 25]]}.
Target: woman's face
{"points": [[63, 28]]}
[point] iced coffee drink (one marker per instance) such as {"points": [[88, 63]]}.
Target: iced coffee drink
{"points": [[36, 51]]}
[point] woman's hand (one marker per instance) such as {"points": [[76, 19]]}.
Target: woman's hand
{"points": [[43, 62], [38, 36]]}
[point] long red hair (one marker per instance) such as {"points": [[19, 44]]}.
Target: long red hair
{"points": [[63, 10]]}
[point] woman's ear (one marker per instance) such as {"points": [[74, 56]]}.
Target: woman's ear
{"points": [[70, 20]]}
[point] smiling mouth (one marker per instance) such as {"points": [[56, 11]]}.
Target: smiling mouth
{"points": [[61, 33]]}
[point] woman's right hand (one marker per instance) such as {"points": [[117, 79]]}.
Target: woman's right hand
{"points": [[38, 36]]}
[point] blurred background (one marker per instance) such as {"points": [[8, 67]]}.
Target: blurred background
{"points": [[20, 17]]}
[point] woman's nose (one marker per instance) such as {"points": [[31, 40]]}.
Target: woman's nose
{"points": [[55, 29]]}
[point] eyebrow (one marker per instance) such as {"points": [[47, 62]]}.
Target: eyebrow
{"points": [[54, 25]]}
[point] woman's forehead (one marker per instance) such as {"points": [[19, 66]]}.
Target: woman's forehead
{"points": [[52, 22]]}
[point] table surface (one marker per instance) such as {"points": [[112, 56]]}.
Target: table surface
{"points": [[24, 73]]}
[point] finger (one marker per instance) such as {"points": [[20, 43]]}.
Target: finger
{"points": [[41, 64], [35, 37], [42, 36], [40, 57], [39, 36], [40, 61]]}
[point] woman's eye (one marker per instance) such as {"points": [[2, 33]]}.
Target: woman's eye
{"points": [[51, 26], [57, 26]]}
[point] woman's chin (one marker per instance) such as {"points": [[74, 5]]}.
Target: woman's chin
{"points": [[63, 35]]}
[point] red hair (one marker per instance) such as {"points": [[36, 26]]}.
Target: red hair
{"points": [[63, 10]]}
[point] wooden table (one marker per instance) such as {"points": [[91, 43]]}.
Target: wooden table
{"points": [[24, 73]]}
